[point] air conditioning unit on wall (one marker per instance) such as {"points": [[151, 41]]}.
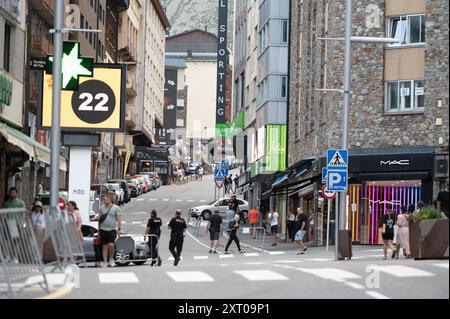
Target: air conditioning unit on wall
{"points": [[441, 166]]}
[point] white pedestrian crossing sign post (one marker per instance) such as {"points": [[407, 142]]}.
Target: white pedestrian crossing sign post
{"points": [[337, 169]]}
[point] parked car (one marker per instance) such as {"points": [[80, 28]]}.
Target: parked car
{"points": [[205, 211], [125, 187], [135, 188], [118, 191], [45, 198], [156, 179], [192, 169], [142, 183], [90, 231], [148, 181], [103, 189]]}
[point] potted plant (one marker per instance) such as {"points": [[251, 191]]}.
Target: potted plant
{"points": [[428, 234]]}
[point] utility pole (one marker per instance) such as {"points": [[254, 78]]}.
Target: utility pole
{"points": [[56, 101]]}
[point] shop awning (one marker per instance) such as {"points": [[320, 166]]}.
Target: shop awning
{"points": [[281, 179], [29, 145]]}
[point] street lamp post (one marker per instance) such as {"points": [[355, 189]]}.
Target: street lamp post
{"points": [[56, 108], [348, 40]]}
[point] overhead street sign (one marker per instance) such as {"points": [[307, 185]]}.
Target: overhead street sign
{"points": [[219, 177], [97, 105]]}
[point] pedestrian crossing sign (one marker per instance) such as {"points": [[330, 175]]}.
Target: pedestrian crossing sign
{"points": [[337, 159]]}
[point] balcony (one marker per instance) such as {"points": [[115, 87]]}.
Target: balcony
{"points": [[124, 142], [131, 85], [41, 45], [130, 116], [127, 55], [45, 9]]}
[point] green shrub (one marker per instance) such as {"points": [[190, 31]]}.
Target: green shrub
{"points": [[428, 213]]}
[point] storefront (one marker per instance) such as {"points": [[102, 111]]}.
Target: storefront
{"points": [[378, 178], [153, 159]]}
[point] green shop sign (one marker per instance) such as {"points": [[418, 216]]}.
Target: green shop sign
{"points": [[6, 90], [276, 148], [230, 130]]}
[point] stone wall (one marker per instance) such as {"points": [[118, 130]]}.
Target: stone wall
{"points": [[320, 114]]}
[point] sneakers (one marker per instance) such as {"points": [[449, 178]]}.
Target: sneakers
{"points": [[301, 253], [159, 262], [210, 251], [227, 253], [153, 263], [274, 244], [393, 254], [241, 252], [177, 260], [103, 265], [215, 252]]}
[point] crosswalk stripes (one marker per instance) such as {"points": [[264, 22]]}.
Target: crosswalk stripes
{"points": [[226, 256], [251, 255], [189, 276], [443, 265], [402, 271], [200, 257], [260, 275], [334, 274], [173, 259], [117, 278], [376, 295]]}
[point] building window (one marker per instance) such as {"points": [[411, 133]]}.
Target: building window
{"points": [[408, 29], [284, 85], [7, 48], [284, 31], [405, 95]]}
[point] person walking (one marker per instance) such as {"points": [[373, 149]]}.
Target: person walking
{"points": [[253, 216], [290, 225], [178, 226], [153, 233], [226, 184], [230, 183], [388, 222], [403, 233], [229, 214], [200, 173], [13, 200], [74, 214], [110, 222], [311, 219], [38, 224], [233, 228], [215, 228], [273, 217], [301, 232], [442, 200]]}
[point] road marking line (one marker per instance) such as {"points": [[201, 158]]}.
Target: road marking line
{"points": [[376, 295], [287, 261], [260, 275], [140, 199], [199, 242], [255, 263], [200, 257], [334, 274], [251, 255], [190, 200], [226, 256], [139, 213], [165, 200], [153, 200], [136, 223], [202, 201], [178, 200], [173, 259], [319, 259], [354, 285], [403, 271], [56, 294], [118, 278], [189, 276], [441, 265], [274, 253]]}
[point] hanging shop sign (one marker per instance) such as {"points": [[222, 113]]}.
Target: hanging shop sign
{"points": [[97, 105], [276, 148], [222, 60]]}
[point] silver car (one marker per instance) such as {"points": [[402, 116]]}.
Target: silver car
{"points": [[205, 211]]}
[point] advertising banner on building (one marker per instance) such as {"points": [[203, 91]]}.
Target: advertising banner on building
{"points": [[222, 57], [97, 105], [276, 148], [170, 104]]}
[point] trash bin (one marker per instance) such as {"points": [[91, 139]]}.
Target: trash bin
{"points": [[345, 244]]}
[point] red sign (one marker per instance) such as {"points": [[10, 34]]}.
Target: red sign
{"points": [[219, 183], [61, 204], [327, 194]]}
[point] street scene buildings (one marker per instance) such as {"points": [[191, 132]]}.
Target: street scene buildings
{"points": [[244, 180]]}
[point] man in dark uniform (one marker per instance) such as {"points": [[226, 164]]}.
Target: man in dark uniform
{"points": [[177, 225], [154, 228]]}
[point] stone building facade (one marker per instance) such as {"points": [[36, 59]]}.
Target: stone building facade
{"points": [[398, 115]]}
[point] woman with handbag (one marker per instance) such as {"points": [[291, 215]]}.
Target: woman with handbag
{"points": [[73, 211]]}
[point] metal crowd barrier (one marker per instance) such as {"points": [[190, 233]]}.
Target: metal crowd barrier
{"points": [[66, 247], [198, 228], [252, 237], [20, 256]]}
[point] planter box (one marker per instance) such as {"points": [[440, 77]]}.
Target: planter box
{"points": [[429, 239]]}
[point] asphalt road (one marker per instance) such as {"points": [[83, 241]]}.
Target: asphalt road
{"points": [[276, 272]]}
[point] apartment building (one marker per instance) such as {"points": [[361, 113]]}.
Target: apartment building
{"points": [[398, 121]]}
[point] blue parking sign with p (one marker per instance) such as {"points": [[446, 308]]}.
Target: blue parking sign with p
{"points": [[337, 170]]}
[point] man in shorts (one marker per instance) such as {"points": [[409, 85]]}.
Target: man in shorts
{"points": [[253, 217], [110, 222], [215, 228], [273, 217]]}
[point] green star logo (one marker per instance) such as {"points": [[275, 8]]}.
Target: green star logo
{"points": [[73, 66]]}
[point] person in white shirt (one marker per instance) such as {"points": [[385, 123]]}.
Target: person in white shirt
{"points": [[38, 223], [273, 217], [200, 172]]}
